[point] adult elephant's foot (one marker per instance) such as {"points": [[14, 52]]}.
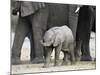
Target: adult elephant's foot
{"points": [[37, 60], [86, 58], [15, 61], [46, 65]]}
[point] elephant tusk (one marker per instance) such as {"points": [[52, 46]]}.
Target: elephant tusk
{"points": [[77, 10]]}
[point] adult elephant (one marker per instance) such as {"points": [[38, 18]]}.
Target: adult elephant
{"points": [[86, 21], [38, 20], [32, 24]]}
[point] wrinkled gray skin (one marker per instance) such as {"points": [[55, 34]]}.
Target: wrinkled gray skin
{"points": [[60, 38]]}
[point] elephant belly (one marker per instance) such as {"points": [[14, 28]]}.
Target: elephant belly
{"points": [[58, 14], [67, 43], [65, 47]]}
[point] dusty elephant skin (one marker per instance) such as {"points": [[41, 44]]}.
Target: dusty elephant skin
{"points": [[85, 21], [60, 38]]}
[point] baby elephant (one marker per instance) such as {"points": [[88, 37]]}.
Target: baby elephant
{"points": [[60, 38]]}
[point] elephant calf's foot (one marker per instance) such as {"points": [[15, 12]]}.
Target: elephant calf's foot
{"points": [[57, 64], [86, 58], [65, 63], [77, 59], [46, 65], [73, 62]]}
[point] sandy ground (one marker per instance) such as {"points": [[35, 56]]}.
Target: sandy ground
{"points": [[35, 68]]}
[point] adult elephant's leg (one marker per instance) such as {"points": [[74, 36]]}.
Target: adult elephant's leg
{"points": [[85, 23], [32, 52], [39, 20], [73, 18], [20, 33], [85, 51]]}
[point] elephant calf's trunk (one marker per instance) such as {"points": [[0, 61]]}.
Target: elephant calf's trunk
{"points": [[44, 44]]}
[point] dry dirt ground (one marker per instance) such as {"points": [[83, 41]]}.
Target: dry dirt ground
{"points": [[36, 68]]}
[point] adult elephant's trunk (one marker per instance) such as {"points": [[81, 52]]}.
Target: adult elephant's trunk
{"points": [[73, 18]]}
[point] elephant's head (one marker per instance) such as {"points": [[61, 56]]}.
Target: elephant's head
{"points": [[50, 38]]}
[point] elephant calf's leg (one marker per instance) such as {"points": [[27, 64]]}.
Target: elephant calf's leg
{"points": [[77, 51], [72, 56], [57, 53], [39, 20], [47, 57], [85, 51], [66, 58]]}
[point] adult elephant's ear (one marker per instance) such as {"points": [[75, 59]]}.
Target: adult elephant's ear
{"points": [[57, 41]]}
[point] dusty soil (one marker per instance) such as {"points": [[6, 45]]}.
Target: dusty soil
{"points": [[35, 68]]}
